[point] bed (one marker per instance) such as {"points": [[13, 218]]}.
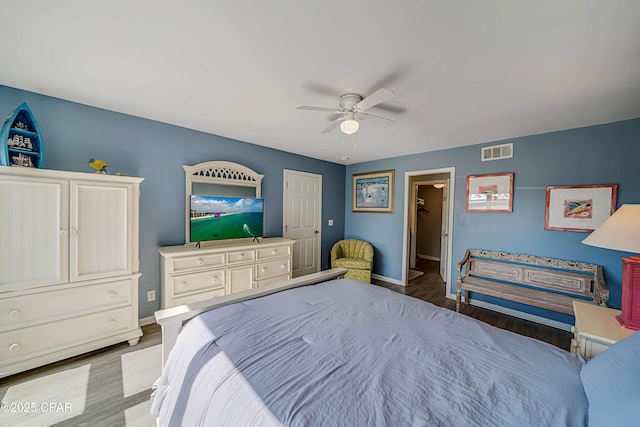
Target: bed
{"points": [[341, 352]]}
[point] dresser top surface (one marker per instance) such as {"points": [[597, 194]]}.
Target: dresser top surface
{"points": [[599, 322], [60, 174], [222, 245]]}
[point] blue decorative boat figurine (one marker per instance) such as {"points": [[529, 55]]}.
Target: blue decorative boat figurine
{"points": [[20, 140]]}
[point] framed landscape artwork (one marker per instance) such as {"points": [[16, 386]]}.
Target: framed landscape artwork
{"points": [[490, 193], [372, 192], [579, 207]]}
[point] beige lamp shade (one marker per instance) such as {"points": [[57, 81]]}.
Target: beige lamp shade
{"points": [[620, 232]]}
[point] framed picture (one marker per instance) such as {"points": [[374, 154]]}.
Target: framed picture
{"points": [[372, 192], [579, 207], [490, 193]]}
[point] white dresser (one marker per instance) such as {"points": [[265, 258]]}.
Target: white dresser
{"points": [[191, 274], [69, 264]]}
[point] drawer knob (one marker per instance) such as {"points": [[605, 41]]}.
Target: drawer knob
{"points": [[74, 231], [14, 313], [214, 279], [112, 294], [184, 285], [241, 256], [264, 269], [112, 322], [200, 261], [284, 266], [14, 346], [275, 251]]}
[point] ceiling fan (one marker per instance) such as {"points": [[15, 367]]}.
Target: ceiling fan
{"points": [[353, 110]]}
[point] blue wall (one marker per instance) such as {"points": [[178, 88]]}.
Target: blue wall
{"points": [[74, 133], [603, 154]]}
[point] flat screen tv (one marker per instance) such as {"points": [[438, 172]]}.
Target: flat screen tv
{"points": [[221, 217]]}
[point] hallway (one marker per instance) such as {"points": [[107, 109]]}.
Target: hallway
{"points": [[428, 286]]}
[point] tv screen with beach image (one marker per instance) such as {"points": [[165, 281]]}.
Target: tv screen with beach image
{"points": [[218, 218]]}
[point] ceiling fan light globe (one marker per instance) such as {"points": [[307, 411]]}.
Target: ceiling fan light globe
{"points": [[349, 126]]}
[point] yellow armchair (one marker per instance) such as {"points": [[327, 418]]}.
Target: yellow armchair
{"points": [[356, 256]]}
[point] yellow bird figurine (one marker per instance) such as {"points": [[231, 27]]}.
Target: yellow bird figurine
{"points": [[99, 165]]}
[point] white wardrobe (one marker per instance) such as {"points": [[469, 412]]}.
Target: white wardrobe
{"points": [[69, 264]]}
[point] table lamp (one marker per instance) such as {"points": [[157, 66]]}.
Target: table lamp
{"points": [[621, 232]]}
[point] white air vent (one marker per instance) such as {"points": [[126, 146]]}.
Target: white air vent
{"points": [[496, 152]]}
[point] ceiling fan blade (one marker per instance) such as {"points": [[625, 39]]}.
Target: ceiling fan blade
{"points": [[377, 97], [378, 120], [390, 108], [306, 107], [334, 124], [398, 73]]}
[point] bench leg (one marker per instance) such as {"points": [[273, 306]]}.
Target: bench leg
{"points": [[458, 292]]}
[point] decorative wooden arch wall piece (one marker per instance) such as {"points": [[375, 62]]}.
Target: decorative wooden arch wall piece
{"points": [[219, 173]]}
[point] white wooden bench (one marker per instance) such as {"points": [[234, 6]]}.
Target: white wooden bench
{"points": [[548, 283]]}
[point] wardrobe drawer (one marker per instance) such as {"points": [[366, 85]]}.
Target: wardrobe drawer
{"points": [[200, 296], [189, 263], [198, 281], [238, 257], [67, 302], [273, 268], [53, 336], [274, 252]]}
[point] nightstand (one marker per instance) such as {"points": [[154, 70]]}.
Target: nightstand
{"points": [[596, 329]]}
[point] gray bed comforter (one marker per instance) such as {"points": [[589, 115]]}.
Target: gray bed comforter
{"points": [[345, 353]]}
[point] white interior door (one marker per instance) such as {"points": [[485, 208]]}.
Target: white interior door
{"points": [[444, 233], [303, 219], [413, 226]]}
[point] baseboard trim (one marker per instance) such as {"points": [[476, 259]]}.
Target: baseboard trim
{"points": [[147, 321], [387, 279], [516, 313], [429, 257]]}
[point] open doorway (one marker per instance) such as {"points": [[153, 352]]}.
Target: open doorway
{"points": [[428, 220]]}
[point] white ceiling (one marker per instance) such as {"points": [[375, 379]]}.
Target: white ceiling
{"points": [[464, 72]]}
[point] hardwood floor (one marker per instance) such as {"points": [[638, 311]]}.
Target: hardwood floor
{"points": [[111, 399], [111, 396], [430, 287]]}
